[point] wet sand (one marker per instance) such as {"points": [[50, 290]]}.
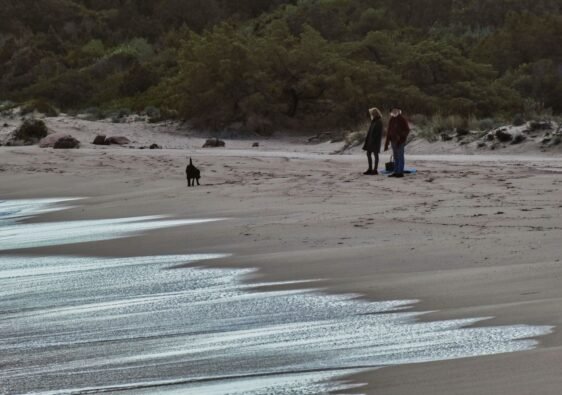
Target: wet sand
{"points": [[468, 236]]}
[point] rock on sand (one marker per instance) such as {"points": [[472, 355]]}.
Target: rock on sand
{"points": [[117, 140], [62, 139], [214, 143]]}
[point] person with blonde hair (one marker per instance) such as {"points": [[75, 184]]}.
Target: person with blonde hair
{"points": [[373, 140]]}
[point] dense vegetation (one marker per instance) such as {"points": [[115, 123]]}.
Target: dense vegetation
{"points": [[267, 64]]}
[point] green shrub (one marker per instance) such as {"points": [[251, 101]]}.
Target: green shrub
{"points": [[137, 80], [116, 62], [7, 105], [124, 112], [138, 48], [153, 114], [428, 134], [31, 131], [41, 106], [419, 120], [488, 124], [67, 90], [518, 120], [432, 128], [142, 48], [461, 106], [353, 139], [119, 115], [94, 48], [168, 113], [94, 113]]}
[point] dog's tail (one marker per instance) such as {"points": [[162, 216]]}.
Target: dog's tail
{"points": [[190, 162]]}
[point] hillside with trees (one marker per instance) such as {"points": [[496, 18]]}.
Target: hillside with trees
{"points": [[272, 64]]}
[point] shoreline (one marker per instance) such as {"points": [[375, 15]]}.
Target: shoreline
{"points": [[321, 287]]}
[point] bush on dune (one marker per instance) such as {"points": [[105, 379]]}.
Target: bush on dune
{"points": [[41, 106], [31, 131], [67, 91]]}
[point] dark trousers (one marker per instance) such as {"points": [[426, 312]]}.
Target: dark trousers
{"points": [[399, 161], [370, 159]]}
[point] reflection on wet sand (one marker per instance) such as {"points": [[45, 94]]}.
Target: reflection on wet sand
{"points": [[80, 324]]}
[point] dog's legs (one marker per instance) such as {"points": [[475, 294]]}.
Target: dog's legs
{"points": [[197, 179], [188, 182]]}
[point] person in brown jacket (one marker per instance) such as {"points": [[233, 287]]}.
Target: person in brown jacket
{"points": [[396, 136]]}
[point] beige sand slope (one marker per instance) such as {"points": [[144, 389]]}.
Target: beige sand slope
{"points": [[468, 236]]}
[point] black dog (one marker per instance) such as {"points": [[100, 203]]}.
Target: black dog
{"points": [[193, 174]]}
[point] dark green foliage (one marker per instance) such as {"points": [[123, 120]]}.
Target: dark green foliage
{"points": [[518, 120], [40, 106], [154, 114], [266, 64], [66, 91], [93, 113], [137, 80], [487, 124], [119, 115], [541, 81], [493, 13], [6, 106], [31, 131]]}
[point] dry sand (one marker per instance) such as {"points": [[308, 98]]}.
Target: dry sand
{"points": [[469, 236]]}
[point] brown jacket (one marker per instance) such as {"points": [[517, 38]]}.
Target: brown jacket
{"points": [[397, 132]]}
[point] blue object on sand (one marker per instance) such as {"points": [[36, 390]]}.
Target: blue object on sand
{"points": [[407, 170]]}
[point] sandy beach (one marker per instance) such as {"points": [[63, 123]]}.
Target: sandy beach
{"points": [[467, 236]]}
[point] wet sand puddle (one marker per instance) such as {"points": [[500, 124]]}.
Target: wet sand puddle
{"points": [[134, 325]]}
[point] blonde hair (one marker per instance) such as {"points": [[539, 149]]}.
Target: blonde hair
{"points": [[375, 111]]}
